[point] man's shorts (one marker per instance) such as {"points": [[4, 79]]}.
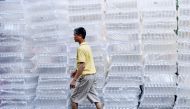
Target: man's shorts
{"points": [[85, 88]]}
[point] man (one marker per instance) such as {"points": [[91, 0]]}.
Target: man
{"points": [[84, 79]]}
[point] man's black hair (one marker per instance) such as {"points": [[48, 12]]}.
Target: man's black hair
{"points": [[80, 31]]}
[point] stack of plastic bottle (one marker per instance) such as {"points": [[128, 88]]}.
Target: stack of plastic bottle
{"points": [[48, 29], [135, 49], [53, 84], [183, 90], [124, 78], [17, 81], [88, 14], [158, 19]]}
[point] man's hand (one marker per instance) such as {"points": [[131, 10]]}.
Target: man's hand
{"points": [[77, 74], [73, 84], [73, 74]]}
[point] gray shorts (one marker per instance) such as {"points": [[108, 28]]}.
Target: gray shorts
{"points": [[85, 88]]}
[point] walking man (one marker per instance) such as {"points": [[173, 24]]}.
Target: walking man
{"points": [[84, 78]]}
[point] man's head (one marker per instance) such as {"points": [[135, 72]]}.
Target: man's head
{"points": [[79, 34]]}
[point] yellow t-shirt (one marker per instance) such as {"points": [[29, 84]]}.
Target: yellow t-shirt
{"points": [[84, 54]]}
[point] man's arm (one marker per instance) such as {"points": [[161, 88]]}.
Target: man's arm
{"points": [[79, 72], [73, 74]]}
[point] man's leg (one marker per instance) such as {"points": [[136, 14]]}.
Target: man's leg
{"points": [[74, 105], [98, 105], [79, 92], [93, 95]]}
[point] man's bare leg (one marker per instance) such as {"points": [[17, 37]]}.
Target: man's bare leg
{"points": [[98, 105], [74, 105]]}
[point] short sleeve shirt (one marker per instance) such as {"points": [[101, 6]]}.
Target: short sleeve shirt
{"points": [[84, 54]]}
